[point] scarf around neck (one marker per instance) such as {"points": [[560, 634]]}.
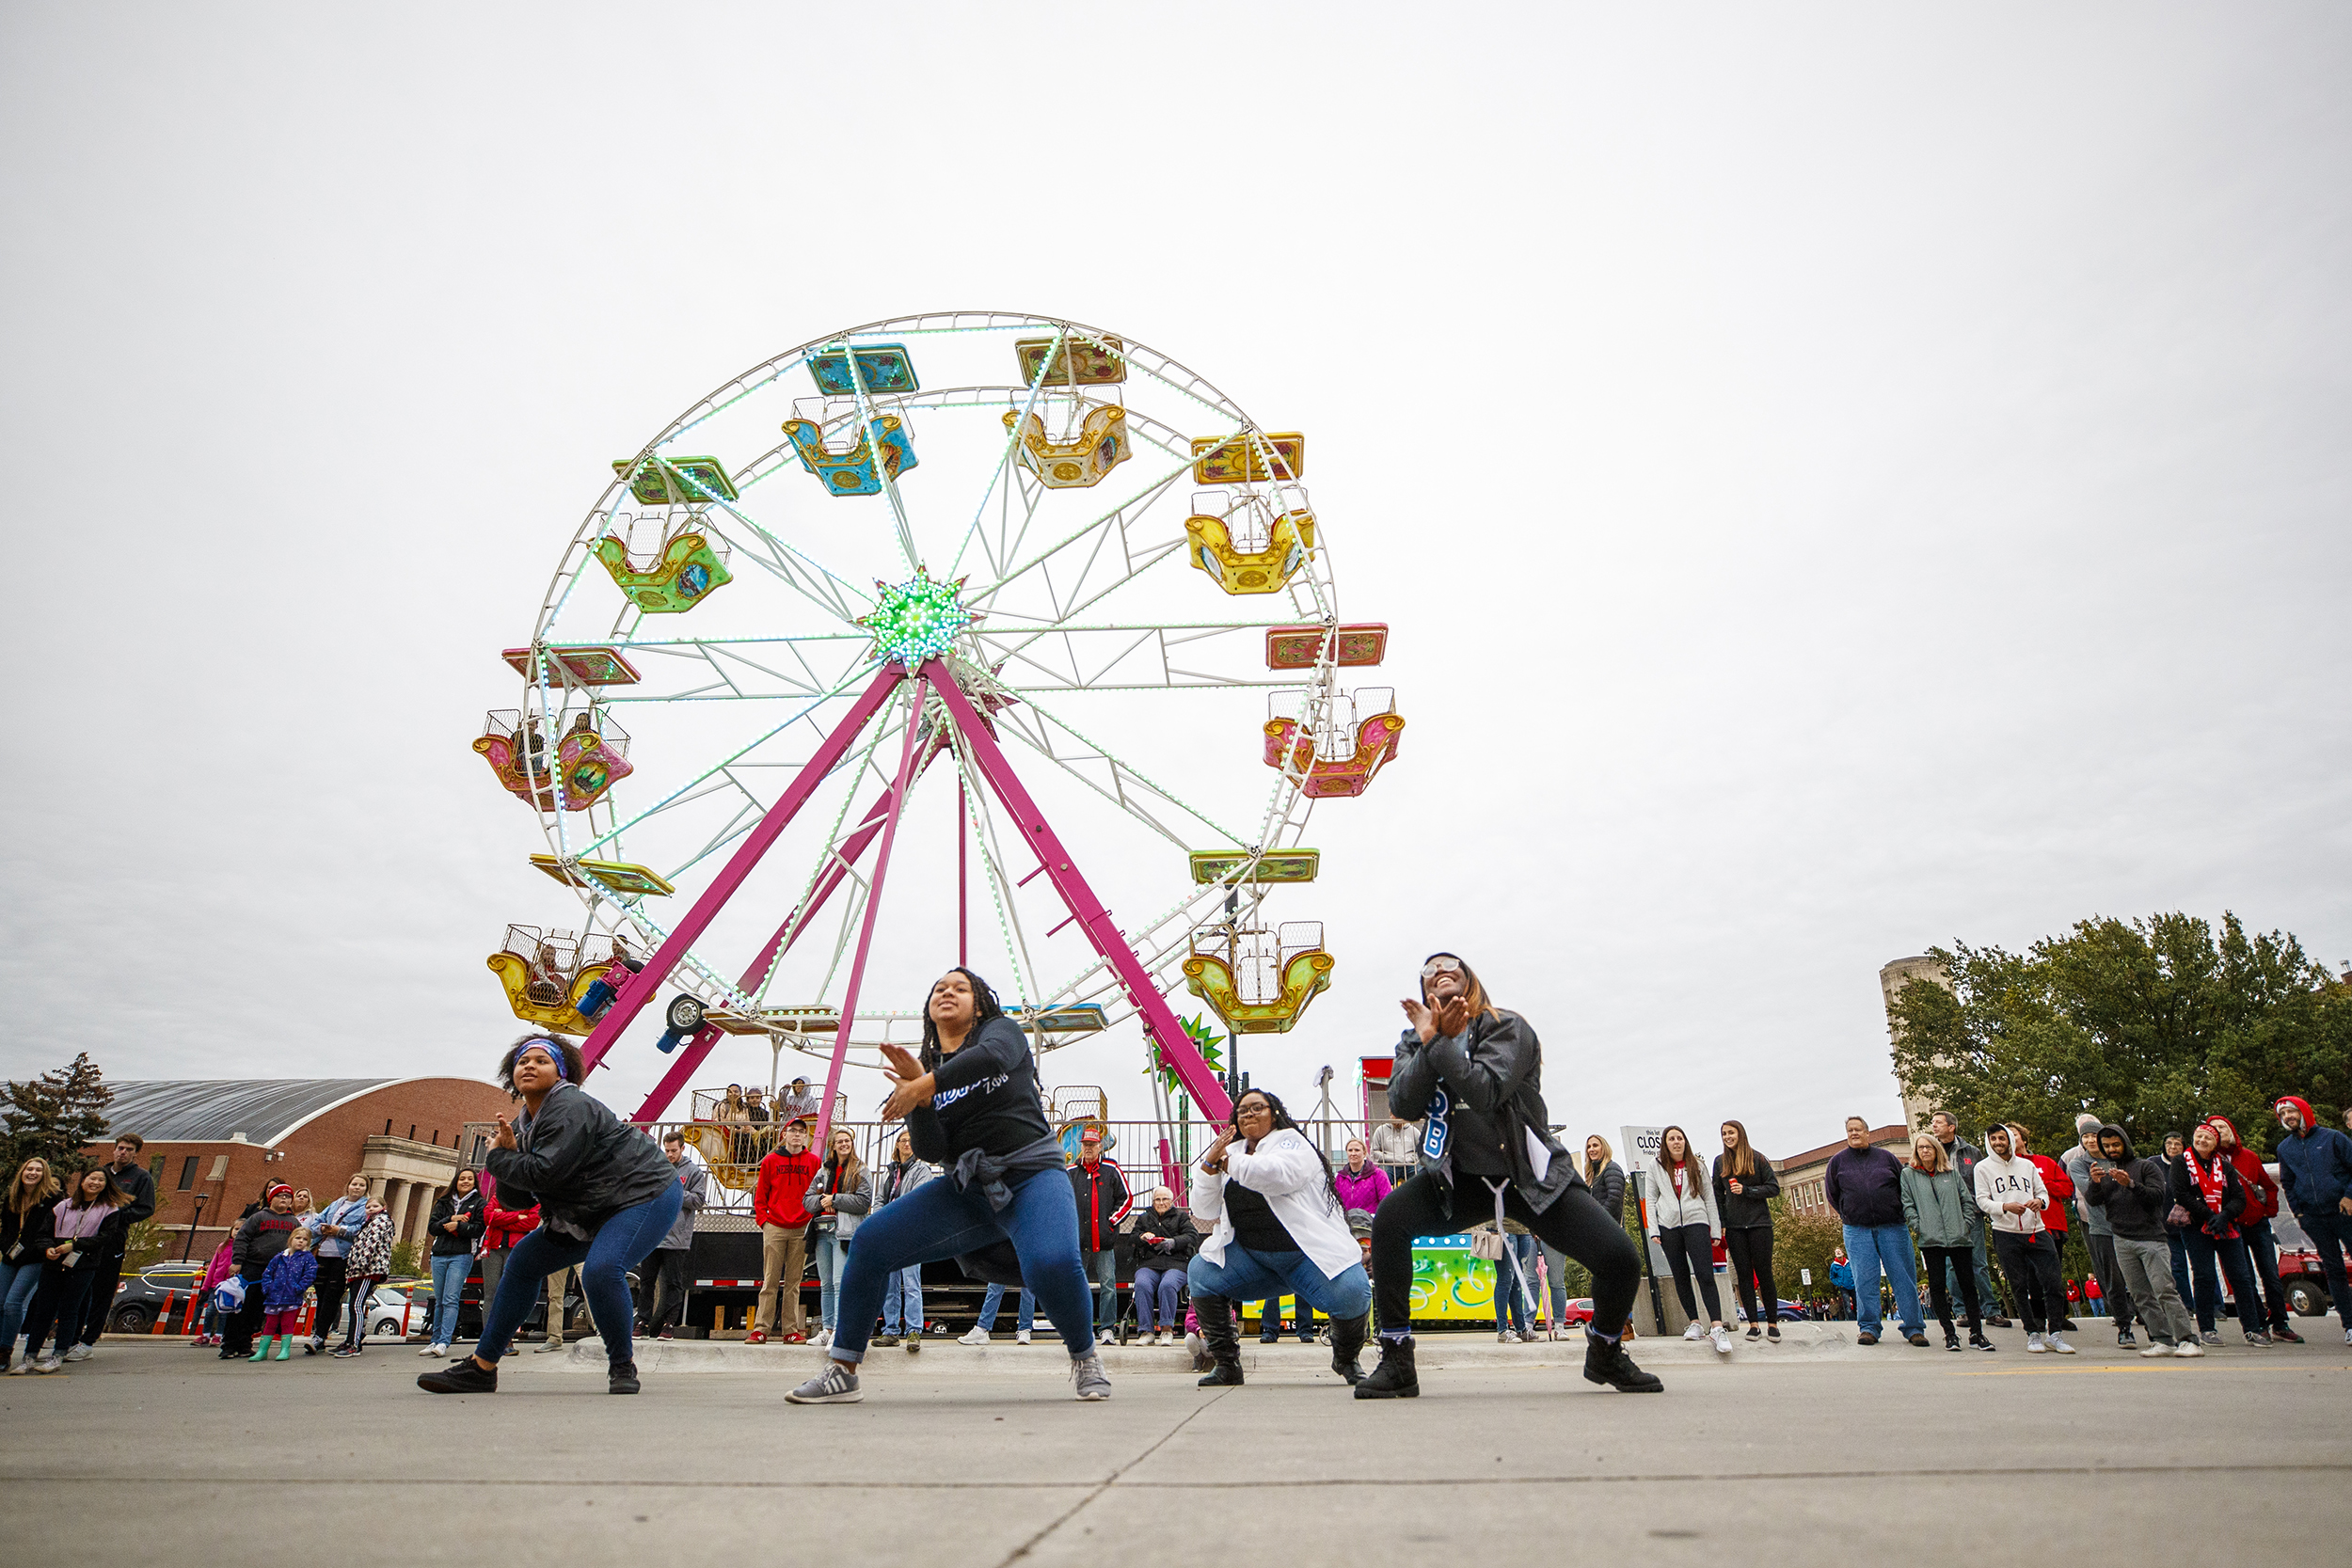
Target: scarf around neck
{"points": [[2211, 1183]]}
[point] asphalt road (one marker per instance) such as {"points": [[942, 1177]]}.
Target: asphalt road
{"points": [[152, 1451]]}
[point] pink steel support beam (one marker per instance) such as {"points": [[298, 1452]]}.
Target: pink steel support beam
{"points": [[904, 780], [1176, 1047], [739, 865]]}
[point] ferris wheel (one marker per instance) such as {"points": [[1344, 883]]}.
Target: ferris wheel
{"points": [[1028, 606]]}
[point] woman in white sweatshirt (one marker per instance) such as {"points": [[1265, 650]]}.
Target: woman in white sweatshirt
{"points": [[1263, 1195], [1682, 1221]]}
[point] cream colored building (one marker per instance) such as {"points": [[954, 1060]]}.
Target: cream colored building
{"points": [[1893, 977]]}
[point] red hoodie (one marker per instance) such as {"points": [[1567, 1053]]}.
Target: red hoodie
{"points": [[2262, 1193], [781, 1194], [502, 1227], [2061, 1188]]}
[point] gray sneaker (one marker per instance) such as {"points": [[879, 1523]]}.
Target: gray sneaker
{"points": [[835, 1385], [79, 1353], [1087, 1372]]}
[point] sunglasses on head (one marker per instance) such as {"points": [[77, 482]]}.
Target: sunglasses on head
{"points": [[1435, 967]]}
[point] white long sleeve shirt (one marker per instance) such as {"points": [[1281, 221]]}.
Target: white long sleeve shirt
{"points": [[1285, 1172], [2011, 1180]]}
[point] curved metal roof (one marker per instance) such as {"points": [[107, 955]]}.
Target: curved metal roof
{"points": [[208, 1110]]}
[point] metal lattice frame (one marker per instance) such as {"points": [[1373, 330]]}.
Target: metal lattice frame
{"points": [[1051, 571]]}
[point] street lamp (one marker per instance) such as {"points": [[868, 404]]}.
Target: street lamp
{"points": [[189, 1245]]}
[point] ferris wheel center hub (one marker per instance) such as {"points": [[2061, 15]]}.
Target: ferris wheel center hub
{"points": [[917, 619]]}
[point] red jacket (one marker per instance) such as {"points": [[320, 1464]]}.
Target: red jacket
{"points": [[2061, 1188], [2262, 1193], [502, 1227], [781, 1194]]}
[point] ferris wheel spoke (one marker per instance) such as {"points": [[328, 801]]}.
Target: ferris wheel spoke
{"points": [[1004, 458], [1028, 722]]}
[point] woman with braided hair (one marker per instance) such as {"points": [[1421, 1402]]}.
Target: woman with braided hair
{"points": [[1274, 1220], [1472, 1070], [1001, 1203]]}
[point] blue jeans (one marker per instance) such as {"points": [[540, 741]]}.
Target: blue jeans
{"points": [[1249, 1275], [994, 1294], [1156, 1288], [1870, 1248], [1513, 1294], [1103, 1273], [832, 1253], [604, 1259], [449, 1284], [902, 1302], [2180, 1268], [17, 1281], [939, 1220]]}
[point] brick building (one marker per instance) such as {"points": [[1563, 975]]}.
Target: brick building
{"points": [[1802, 1175], [222, 1140]]}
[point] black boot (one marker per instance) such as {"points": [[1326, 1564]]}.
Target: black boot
{"points": [[1608, 1363], [621, 1378], [1217, 1332], [1347, 1342], [1394, 1378]]}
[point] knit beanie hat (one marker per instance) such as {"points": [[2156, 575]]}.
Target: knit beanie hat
{"points": [[2085, 1123]]}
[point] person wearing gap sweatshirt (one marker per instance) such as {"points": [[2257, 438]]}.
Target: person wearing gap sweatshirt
{"points": [[2315, 1179], [1866, 1186], [2133, 1194], [2010, 1192]]}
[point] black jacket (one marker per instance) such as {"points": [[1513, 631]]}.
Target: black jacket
{"points": [[1175, 1228], [32, 1232], [580, 1164], [1489, 1074], [1103, 1201], [1753, 1204], [141, 1186], [458, 1242], [2134, 1195], [2201, 1214], [1609, 1189], [92, 1250]]}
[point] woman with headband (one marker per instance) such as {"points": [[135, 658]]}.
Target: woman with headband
{"points": [[1472, 1070], [606, 1197]]}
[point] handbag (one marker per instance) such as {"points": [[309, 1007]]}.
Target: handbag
{"points": [[2178, 1219]]}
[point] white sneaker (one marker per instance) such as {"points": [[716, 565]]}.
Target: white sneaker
{"points": [[432, 1350], [79, 1353], [824, 1336], [2155, 1349], [1722, 1340], [46, 1365], [2034, 1345], [1020, 1337], [2188, 1348], [976, 1334], [2059, 1345], [1697, 1331]]}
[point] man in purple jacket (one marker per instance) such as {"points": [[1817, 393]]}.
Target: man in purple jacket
{"points": [[1866, 1186]]}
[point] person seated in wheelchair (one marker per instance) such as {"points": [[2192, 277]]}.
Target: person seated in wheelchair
{"points": [[1165, 1240]]}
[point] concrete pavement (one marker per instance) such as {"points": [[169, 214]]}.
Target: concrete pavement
{"points": [[960, 1456]]}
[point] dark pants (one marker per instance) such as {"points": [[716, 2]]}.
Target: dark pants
{"points": [[2230, 1252], [1691, 1251], [329, 1285], [58, 1304], [1960, 1260], [2330, 1231], [239, 1327], [1750, 1249], [2111, 1286], [2261, 1250], [666, 1296], [2033, 1277], [2180, 1268], [1576, 1224], [107, 1274]]}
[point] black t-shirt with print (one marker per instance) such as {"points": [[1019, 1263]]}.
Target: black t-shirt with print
{"points": [[986, 1097]]}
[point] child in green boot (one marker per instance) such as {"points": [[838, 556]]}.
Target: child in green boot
{"points": [[284, 1283]]}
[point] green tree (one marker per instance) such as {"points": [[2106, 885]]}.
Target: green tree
{"points": [[53, 1116], [1802, 1239], [2152, 1024]]}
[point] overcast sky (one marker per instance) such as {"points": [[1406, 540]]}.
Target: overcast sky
{"points": [[1900, 495]]}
